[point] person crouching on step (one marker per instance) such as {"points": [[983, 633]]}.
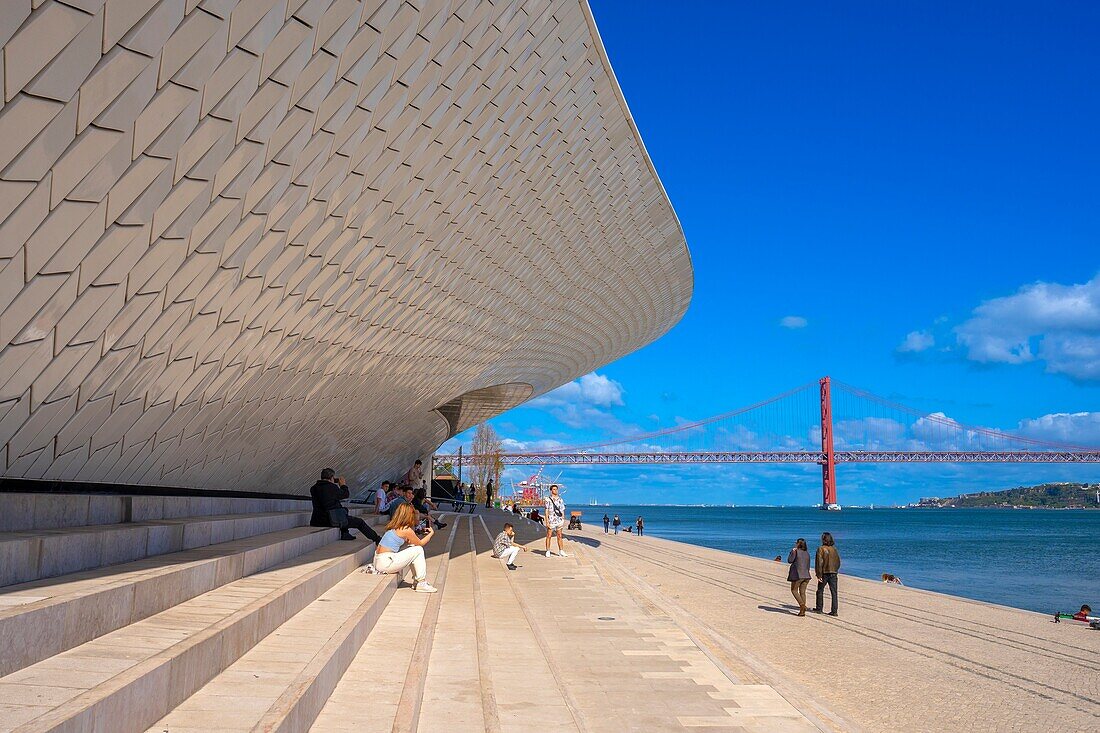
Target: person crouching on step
{"points": [[390, 558], [503, 547]]}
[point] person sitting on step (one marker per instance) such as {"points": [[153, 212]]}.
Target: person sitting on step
{"points": [[392, 556], [503, 547], [404, 495], [382, 498], [329, 512], [424, 505]]}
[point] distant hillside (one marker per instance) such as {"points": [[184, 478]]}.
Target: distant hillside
{"points": [[1044, 496]]}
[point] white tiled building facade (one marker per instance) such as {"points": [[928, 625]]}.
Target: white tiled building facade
{"points": [[240, 241]]}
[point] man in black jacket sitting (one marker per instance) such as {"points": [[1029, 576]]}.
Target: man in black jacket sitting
{"points": [[327, 495]]}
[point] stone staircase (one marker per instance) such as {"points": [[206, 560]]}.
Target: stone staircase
{"points": [[115, 610]]}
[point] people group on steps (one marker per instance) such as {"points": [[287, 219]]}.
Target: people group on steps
{"points": [[413, 522]]}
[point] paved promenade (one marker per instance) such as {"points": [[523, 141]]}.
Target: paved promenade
{"points": [[558, 645], [896, 659], [282, 631]]}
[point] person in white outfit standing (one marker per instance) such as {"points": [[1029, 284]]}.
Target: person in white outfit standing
{"points": [[503, 547], [555, 519], [392, 557]]}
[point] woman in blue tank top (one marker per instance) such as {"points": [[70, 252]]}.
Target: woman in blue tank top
{"points": [[390, 558]]}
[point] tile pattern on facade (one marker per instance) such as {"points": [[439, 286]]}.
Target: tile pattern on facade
{"points": [[240, 240]]}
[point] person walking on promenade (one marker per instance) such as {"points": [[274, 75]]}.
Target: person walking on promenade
{"points": [[799, 574], [504, 548], [326, 495], [489, 494], [826, 567], [555, 520], [391, 559], [616, 522], [640, 525], [606, 523]]}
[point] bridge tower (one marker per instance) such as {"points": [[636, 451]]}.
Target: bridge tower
{"points": [[828, 465]]}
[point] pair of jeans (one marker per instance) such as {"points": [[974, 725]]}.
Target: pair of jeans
{"points": [[827, 579], [616, 529], [509, 555], [798, 590], [605, 529], [392, 563]]}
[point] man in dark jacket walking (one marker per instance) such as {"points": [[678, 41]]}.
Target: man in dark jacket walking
{"points": [[327, 495], [826, 568]]}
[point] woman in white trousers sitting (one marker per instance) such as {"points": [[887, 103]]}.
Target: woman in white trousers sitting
{"points": [[390, 558]]}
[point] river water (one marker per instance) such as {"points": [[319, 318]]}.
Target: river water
{"points": [[1040, 560]]}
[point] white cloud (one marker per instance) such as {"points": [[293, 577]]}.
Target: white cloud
{"points": [[1056, 324], [511, 445], [587, 402], [793, 322], [869, 433], [593, 389], [1073, 428], [916, 342]]}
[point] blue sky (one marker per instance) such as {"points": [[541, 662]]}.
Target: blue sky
{"points": [[904, 196]]}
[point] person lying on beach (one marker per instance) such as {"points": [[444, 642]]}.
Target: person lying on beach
{"points": [[890, 578], [1084, 616]]}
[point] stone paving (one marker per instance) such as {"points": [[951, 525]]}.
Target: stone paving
{"points": [[629, 667], [557, 645], [896, 659]]}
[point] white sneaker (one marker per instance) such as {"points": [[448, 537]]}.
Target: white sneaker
{"points": [[548, 554], [563, 553], [425, 587]]}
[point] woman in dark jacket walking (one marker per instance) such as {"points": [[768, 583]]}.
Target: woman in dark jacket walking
{"points": [[799, 574]]}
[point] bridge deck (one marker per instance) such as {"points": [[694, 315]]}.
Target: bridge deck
{"points": [[781, 456]]}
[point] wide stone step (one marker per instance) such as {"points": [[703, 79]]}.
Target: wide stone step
{"points": [[382, 688], [130, 678], [20, 511], [46, 617], [509, 636], [36, 554], [285, 680], [452, 685]]}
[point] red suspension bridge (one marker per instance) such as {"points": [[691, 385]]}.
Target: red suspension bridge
{"points": [[807, 425]]}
